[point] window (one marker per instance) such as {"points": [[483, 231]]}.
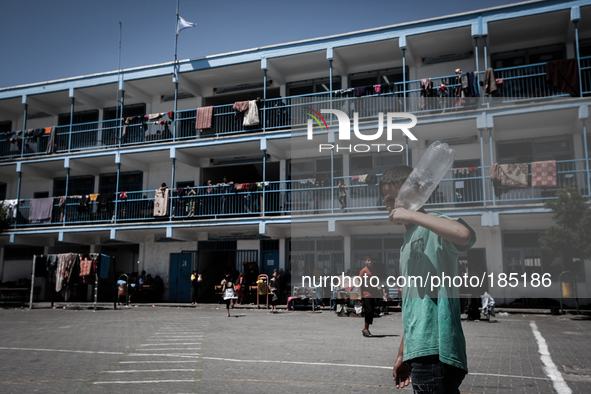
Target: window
{"points": [[128, 110], [78, 185], [78, 117], [313, 168], [376, 163], [5, 126], [128, 181], [40, 194], [539, 149], [523, 253], [2, 191], [527, 56], [370, 78], [309, 86]]}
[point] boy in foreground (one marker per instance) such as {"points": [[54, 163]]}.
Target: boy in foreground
{"points": [[433, 348]]}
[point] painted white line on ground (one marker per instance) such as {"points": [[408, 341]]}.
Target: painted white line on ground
{"points": [[180, 336], [164, 355], [170, 348], [549, 367], [295, 362], [58, 350], [171, 343], [153, 370], [146, 381], [153, 362]]}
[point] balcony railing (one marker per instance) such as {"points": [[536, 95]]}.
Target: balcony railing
{"points": [[460, 188], [519, 83]]}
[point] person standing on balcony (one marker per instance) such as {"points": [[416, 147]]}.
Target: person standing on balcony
{"points": [[206, 203], [433, 347], [342, 194], [226, 188]]}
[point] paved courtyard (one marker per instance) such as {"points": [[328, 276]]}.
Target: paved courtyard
{"points": [[200, 350]]}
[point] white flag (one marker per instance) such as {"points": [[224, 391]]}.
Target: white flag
{"points": [[183, 24]]}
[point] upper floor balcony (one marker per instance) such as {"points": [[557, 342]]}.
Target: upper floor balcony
{"points": [[461, 188], [443, 94]]}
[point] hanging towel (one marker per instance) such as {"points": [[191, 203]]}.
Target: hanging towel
{"points": [[93, 197], [362, 178], [377, 88], [490, 84], [40, 210], [564, 74], [359, 92], [161, 201], [10, 206], [62, 260], [204, 118], [251, 118], [509, 176], [51, 142], [170, 115], [155, 116], [241, 106], [543, 174]]}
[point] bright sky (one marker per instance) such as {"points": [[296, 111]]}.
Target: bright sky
{"points": [[45, 40]]}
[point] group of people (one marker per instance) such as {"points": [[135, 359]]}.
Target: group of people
{"points": [[234, 290], [141, 287]]}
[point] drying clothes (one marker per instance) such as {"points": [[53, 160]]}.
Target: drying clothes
{"points": [[123, 196], [509, 176], [472, 169], [355, 178], [362, 178], [377, 89], [47, 130], [490, 84], [241, 106], [251, 118], [37, 133], [51, 141], [51, 263], [93, 197], [543, 174], [83, 204], [161, 201], [426, 90], [85, 267], [204, 118], [359, 91], [62, 204], [238, 187], [488, 304], [564, 74], [11, 207], [40, 210], [464, 80], [461, 170], [170, 115], [155, 116], [59, 273]]}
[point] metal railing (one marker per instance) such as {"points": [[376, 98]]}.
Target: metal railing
{"points": [[519, 83], [460, 188]]}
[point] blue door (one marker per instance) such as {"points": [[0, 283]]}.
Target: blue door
{"points": [[270, 262], [180, 277]]}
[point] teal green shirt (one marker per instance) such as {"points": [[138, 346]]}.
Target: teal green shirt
{"points": [[432, 318]]}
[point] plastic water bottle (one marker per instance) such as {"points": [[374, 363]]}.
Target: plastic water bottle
{"points": [[425, 177]]}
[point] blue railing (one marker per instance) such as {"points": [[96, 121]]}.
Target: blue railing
{"points": [[519, 83], [460, 188], [585, 65]]}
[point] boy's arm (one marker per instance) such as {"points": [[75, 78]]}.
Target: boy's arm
{"points": [[401, 370], [450, 230]]}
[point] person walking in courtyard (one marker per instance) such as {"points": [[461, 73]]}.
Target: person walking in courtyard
{"points": [[228, 293], [274, 291], [195, 281], [368, 295]]}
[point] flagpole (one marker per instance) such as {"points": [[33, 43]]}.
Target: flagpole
{"points": [[175, 78]]}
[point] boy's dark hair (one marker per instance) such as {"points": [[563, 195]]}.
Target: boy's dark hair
{"points": [[395, 175]]}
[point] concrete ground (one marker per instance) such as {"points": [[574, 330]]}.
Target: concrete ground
{"points": [[200, 350]]}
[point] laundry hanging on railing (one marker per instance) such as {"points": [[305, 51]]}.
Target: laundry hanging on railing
{"points": [[11, 208], [203, 119], [564, 74], [51, 142], [490, 83], [426, 91], [508, 176], [155, 116], [161, 201], [251, 118], [543, 174], [40, 210], [239, 108]]}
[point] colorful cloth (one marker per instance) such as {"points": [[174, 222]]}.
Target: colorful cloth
{"points": [[204, 118], [85, 267], [543, 174], [161, 199], [251, 118], [509, 176]]}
